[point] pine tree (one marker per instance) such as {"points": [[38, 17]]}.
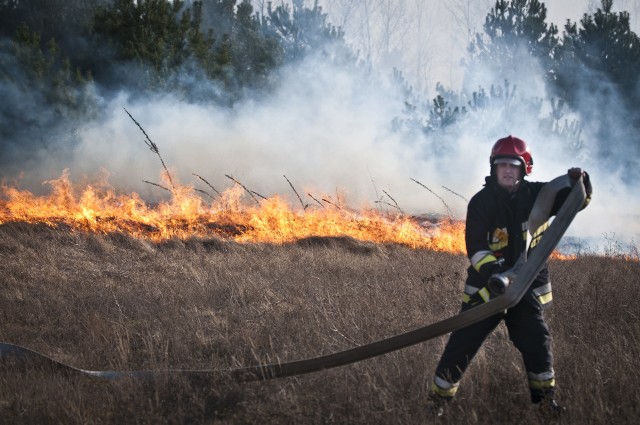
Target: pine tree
{"points": [[514, 31], [597, 73], [302, 29], [606, 46], [158, 34]]}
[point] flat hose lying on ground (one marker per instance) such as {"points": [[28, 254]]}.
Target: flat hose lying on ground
{"points": [[521, 276]]}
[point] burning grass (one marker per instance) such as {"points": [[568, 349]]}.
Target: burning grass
{"points": [[114, 301], [98, 209]]}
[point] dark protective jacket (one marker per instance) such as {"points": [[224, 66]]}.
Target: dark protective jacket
{"points": [[495, 237]]}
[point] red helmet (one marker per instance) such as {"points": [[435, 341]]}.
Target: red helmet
{"points": [[512, 147]]}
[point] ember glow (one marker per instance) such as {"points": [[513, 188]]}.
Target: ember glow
{"points": [[98, 208]]}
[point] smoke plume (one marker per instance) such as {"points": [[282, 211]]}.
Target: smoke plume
{"points": [[333, 130]]}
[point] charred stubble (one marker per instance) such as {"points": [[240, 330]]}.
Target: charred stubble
{"points": [[114, 302]]}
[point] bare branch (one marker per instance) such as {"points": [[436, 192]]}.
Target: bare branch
{"points": [[437, 196], [257, 194], [312, 197], [391, 205], [457, 194], [394, 201], [152, 146], [329, 202], [375, 188], [244, 187], [156, 184], [206, 193], [207, 183], [304, 207]]}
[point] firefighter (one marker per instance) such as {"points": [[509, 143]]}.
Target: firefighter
{"points": [[495, 228]]}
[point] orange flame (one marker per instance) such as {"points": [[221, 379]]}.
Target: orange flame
{"points": [[97, 208]]}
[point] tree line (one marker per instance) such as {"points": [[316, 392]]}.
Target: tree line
{"points": [[58, 57], [602, 46], [219, 40], [590, 68]]}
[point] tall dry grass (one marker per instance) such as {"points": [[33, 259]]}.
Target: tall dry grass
{"points": [[114, 302]]}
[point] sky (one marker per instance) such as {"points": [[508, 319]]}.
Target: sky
{"points": [[561, 10]]}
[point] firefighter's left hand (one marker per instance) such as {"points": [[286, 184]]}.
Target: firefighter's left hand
{"points": [[574, 175]]}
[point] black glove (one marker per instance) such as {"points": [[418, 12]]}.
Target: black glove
{"points": [[492, 268], [574, 175]]}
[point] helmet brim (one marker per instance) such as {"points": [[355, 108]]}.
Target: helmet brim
{"points": [[508, 160]]}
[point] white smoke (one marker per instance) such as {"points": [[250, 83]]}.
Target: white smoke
{"points": [[329, 130], [324, 128]]}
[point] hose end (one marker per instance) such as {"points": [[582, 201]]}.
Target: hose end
{"points": [[498, 284]]}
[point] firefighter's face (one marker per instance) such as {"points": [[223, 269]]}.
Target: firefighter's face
{"points": [[509, 175]]}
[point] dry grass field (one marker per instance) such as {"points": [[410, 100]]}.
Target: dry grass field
{"points": [[114, 302]]}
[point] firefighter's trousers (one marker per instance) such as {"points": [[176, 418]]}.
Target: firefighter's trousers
{"points": [[528, 332]]}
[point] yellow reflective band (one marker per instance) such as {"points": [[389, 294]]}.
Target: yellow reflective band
{"points": [[545, 298], [468, 289], [444, 392], [466, 298], [535, 238], [542, 385], [484, 293], [498, 246], [484, 260]]}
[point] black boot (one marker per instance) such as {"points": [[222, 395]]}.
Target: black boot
{"points": [[549, 407], [553, 405], [437, 405], [546, 402]]}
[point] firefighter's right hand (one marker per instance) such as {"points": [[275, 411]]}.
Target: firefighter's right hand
{"points": [[496, 267]]}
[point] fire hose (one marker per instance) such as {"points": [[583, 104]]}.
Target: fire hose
{"points": [[514, 283]]}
